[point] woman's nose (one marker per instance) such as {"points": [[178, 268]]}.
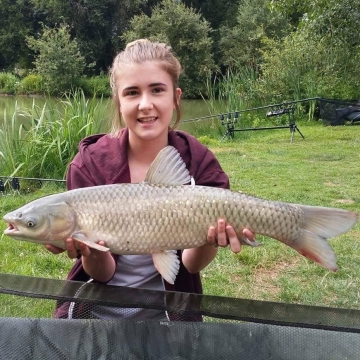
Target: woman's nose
{"points": [[145, 103]]}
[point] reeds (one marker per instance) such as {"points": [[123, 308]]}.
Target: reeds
{"points": [[41, 141]]}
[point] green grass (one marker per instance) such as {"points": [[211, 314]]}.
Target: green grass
{"points": [[28, 259], [41, 141], [321, 169]]}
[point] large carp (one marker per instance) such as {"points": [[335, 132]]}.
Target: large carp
{"points": [[162, 214]]}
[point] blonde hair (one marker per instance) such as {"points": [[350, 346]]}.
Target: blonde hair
{"points": [[138, 52]]}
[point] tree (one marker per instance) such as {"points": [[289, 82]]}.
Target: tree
{"points": [[18, 19], [321, 58], [96, 24], [187, 33], [58, 58], [242, 43]]}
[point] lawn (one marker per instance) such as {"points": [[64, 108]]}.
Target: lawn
{"points": [[321, 169]]}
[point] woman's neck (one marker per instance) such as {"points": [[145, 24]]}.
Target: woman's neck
{"points": [[140, 156], [145, 151]]}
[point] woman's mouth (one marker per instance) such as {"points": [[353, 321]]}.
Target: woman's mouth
{"points": [[147, 120]]}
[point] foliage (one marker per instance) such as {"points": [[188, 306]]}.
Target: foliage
{"points": [[95, 86], [58, 60], [236, 90], [95, 24], [31, 84], [310, 62], [186, 32], [46, 139], [11, 144], [242, 43], [8, 83], [17, 20], [267, 35], [337, 20]]}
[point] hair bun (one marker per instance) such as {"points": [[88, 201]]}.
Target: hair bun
{"points": [[135, 42]]}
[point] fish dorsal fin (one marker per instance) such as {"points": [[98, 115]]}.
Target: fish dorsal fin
{"points": [[168, 168]]}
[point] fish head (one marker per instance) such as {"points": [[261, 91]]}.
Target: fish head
{"points": [[42, 221]]}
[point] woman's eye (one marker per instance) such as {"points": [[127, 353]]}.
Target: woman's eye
{"points": [[158, 90]]}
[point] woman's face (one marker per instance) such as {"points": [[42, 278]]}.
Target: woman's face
{"points": [[146, 97]]}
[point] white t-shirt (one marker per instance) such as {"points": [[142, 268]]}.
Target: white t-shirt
{"points": [[134, 271]]}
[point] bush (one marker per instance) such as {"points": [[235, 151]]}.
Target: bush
{"points": [[189, 36], [8, 83], [58, 58], [95, 86], [31, 84]]}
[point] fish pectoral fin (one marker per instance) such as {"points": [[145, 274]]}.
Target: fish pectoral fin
{"points": [[167, 264], [91, 243], [245, 241]]}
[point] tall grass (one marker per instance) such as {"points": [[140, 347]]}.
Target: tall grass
{"points": [[41, 141], [242, 88], [235, 90]]}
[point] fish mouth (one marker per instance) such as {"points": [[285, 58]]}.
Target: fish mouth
{"points": [[11, 229]]}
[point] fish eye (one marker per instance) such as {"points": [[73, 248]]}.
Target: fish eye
{"points": [[30, 223]]}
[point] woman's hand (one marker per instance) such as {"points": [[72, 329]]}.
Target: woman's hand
{"points": [[100, 265], [73, 248], [225, 235], [196, 259]]}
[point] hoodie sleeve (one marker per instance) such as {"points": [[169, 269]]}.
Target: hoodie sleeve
{"points": [[200, 161], [210, 173], [78, 175]]}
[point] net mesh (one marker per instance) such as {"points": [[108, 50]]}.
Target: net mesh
{"points": [[338, 112], [189, 326]]}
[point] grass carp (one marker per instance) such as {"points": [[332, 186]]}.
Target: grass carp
{"points": [[163, 214]]}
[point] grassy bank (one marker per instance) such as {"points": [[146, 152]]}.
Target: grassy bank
{"points": [[321, 169]]}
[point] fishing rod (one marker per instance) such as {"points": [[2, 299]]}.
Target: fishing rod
{"points": [[237, 112], [28, 178], [15, 182]]}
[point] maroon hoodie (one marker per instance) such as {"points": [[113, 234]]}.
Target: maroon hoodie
{"points": [[102, 159]]}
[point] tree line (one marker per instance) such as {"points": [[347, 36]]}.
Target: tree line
{"points": [[270, 49]]}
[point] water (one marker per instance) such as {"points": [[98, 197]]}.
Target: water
{"points": [[191, 108]]}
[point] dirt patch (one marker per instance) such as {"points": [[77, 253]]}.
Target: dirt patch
{"points": [[329, 183], [345, 201], [265, 277]]}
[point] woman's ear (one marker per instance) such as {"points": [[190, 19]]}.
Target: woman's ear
{"points": [[178, 93]]}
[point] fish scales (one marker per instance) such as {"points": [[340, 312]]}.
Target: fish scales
{"points": [[153, 218], [163, 214]]}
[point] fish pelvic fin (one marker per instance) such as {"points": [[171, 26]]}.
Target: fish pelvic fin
{"points": [[81, 237], [167, 264], [168, 168], [321, 224]]}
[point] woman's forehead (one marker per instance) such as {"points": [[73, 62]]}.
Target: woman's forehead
{"points": [[144, 74]]}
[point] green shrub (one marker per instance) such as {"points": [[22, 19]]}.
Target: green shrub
{"points": [[31, 84], [95, 86], [8, 83], [58, 58]]}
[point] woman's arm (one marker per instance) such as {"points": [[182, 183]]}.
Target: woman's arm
{"points": [[97, 264]]}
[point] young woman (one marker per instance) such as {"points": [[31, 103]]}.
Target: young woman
{"points": [[144, 80]]}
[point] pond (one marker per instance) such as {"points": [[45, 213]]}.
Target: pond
{"points": [[192, 109]]}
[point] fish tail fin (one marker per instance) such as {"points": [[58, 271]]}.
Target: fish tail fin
{"points": [[321, 224]]}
